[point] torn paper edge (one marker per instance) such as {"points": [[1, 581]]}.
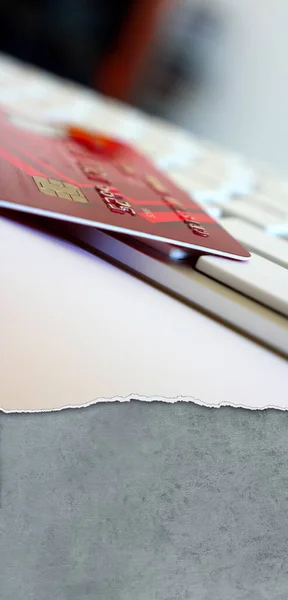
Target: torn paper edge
{"points": [[137, 398]]}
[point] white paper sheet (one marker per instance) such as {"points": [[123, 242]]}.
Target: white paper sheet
{"points": [[75, 330]]}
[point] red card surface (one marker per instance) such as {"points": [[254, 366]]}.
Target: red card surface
{"points": [[101, 183]]}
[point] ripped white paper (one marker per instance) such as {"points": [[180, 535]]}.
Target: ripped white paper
{"points": [[77, 330]]}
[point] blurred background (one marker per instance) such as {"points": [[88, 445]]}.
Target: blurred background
{"points": [[215, 67]]}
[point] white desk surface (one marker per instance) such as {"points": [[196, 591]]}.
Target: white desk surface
{"points": [[75, 329]]}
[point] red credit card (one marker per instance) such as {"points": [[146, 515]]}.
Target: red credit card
{"points": [[97, 181]]}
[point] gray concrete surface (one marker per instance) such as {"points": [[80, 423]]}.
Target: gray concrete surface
{"points": [[144, 502]]}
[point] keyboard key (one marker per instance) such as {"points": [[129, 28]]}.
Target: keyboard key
{"points": [[257, 278], [265, 219], [275, 205], [272, 187], [257, 241], [202, 189], [169, 149], [194, 181], [212, 167], [229, 169]]}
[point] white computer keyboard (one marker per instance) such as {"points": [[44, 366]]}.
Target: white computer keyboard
{"points": [[253, 207], [251, 203], [250, 296]]}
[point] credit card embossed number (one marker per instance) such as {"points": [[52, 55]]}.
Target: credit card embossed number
{"points": [[114, 201]]}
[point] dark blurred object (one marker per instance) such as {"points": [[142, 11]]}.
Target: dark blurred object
{"points": [[182, 55], [66, 37], [125, 61], [99, 43]]}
